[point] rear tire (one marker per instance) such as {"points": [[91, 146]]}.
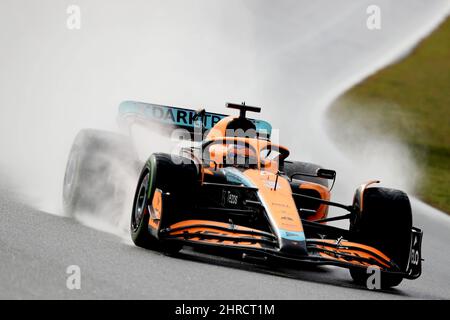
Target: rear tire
{"points": [[384, 223], [304, 167], [95, 171], [176, 178]]}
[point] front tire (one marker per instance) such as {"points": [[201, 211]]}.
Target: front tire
{"points": [[384, 223], [163, 176], [140, 216]]}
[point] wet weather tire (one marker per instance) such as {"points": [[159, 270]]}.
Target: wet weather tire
{"points": [[175, 177], [94, 181], [384, 223]]}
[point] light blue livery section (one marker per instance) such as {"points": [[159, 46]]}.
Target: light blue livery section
{"points": [[179, 117], [292, 235]]}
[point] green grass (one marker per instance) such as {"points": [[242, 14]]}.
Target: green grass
{"points": [[411, 101]]}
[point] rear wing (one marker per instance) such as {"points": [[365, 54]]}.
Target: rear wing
{"points": [[172, 117]]}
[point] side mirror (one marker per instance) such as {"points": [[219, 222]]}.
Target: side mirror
{"points": [[320, 173], [326, 174]]}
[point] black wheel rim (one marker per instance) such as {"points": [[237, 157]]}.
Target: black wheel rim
{"points": [[141, 203]]}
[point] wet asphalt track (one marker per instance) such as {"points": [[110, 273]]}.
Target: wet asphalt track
{"points": [[37, 247]]}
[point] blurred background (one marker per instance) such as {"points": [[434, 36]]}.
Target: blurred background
{"points": [[292, 58]]}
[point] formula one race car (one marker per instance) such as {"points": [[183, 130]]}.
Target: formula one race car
{"points": [[232, 188]]}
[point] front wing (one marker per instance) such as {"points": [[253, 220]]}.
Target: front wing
{"points": [[262, 245]]}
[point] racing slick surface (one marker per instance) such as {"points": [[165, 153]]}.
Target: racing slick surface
{"points": [[291, 58]]}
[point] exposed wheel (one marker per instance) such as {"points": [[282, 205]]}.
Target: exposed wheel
{"points": [[164, 187], [98, 167], [304, 167], [384, 223]]}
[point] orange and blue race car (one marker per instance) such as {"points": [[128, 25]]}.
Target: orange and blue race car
{"points": [[233, 190]]}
